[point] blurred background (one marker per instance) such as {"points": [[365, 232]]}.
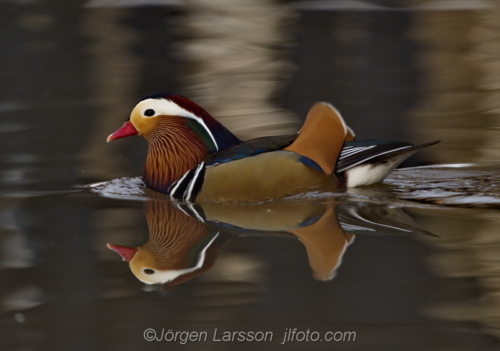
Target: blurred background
{"points": [[407, 70], [70, 73]]}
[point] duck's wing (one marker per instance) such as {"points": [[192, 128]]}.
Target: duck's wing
{"points": [[370, 161], [188, 186], [358, 152], [249, 148], [370, 219]]}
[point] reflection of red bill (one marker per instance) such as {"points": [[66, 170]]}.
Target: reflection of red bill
{"points": [[127, 253]]}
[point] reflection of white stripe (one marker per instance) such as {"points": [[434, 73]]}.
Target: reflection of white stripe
{"points": [[193, 181], [451, 165], [190, 214], [178, 206], [198, 217], [355, 214]]}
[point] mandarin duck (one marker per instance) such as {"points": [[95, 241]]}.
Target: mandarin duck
{"points": [[184, 238], [192, 157]]}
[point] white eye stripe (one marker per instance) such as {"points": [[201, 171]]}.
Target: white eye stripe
{"points": [[170, 108], [169, 275]]}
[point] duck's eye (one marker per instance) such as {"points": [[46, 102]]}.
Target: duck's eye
{"points": [[149, 112], [148, 271]]}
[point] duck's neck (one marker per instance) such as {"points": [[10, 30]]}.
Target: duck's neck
{"points": [[172, 234], [174, 149]]}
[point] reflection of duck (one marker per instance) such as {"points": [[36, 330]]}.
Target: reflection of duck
{"points": [[184, 239], [179, 246], [193, 157]]}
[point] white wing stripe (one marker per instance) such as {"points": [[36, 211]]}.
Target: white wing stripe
{"points": [[192, 182], [352, 150], [375, 155], [178, 183]]}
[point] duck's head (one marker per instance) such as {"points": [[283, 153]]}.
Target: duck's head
{"points": [[155, 110], [150, 268], [180, 245], [144, 265], [180, 134]]}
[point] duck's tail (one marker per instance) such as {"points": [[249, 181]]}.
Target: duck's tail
{"points": [[369, 162], [322, 136]]}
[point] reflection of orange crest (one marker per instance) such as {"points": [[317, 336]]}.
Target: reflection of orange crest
{"points": [[325, 242]]}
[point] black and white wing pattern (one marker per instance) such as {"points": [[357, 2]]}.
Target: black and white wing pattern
{"points": [[358, 152], [188, 186], [369, 162]]}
